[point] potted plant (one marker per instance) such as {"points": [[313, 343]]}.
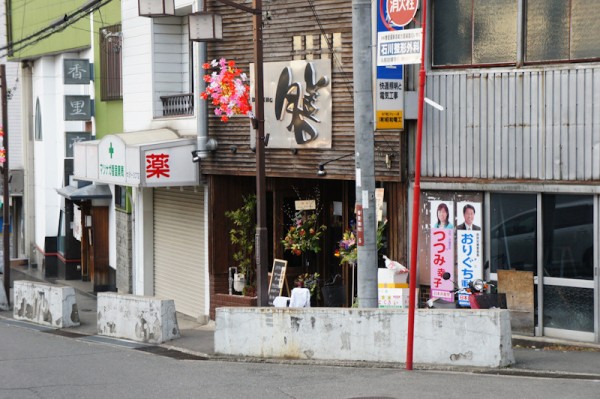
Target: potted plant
{"points": [[242, 239]]}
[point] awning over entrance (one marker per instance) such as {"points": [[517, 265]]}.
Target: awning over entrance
{"points": [[148, 158], [86, 193]]}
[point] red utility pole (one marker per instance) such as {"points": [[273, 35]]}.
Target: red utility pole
{"points": [[414, 240], [5, 200]]}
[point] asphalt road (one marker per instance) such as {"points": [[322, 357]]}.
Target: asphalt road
{"points": [[37, 363]]}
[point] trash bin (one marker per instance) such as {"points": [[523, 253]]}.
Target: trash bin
{"points": [[50, 257], [334, 293]]}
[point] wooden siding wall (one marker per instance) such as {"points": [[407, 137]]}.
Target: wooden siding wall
{"points": [[290, 18], [537, 124], [225, 194]]}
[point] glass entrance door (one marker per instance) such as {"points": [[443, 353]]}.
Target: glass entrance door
{"points": [[552, 236], [568, 266]]}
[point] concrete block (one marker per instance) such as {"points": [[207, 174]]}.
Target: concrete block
{"points": [[137, 318], [46, 304], [477, 338], [3, 299]]}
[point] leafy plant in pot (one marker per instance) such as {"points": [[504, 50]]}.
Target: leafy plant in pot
{"points": [[241, 237]]}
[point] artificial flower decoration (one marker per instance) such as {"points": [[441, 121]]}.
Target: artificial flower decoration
{"points": [[227, 88], [347, 250], [304, 234], [2, 150]]}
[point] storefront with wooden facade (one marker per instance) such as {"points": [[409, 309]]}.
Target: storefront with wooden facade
{"points": [[309, 117]]}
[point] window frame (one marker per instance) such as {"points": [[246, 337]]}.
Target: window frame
{"points": [[111, 65], [521, 45]]}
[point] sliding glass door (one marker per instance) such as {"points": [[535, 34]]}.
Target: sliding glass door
{"points": [[551, 235]]}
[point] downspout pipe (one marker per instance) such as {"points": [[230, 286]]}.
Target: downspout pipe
{"points": [[205, 145]]}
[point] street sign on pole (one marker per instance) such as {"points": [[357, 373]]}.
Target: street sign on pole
{"points": [[400, 12], [399, 47], [389, 79]]}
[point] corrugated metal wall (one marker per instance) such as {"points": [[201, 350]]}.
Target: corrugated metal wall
{"points": [[514, 124]]}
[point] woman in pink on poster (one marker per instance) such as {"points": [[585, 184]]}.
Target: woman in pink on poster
{"points": [[442, 217]]}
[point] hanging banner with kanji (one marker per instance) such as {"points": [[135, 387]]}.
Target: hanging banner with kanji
{"points": [[441, 249], [468, 243]]}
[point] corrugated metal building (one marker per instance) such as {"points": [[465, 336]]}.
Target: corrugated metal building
{"points": [[519, 139]]}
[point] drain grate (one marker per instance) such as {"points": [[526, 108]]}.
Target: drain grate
{"points": [[63, 333], [174, 354]]}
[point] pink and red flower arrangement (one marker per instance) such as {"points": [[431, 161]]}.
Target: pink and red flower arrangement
{"points": [[227, 88]]}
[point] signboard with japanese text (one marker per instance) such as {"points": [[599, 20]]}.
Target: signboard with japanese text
{"points": [[74, 137], [468, 243], [297, 103], [400, 47], [111, 160], [169, 166], [78, 108], [76, 71], [360, 227], [389, 81], [442, 249], [305, 205], [277, 279], [77, 227]]}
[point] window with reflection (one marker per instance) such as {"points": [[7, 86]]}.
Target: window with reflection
{"points": [[513, 232], [562, 30], [483, 32], [467, 32], [568, 236]]}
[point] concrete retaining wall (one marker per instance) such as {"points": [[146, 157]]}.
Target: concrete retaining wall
{"points": [[46, 304], [480, 338], [138, 318]]}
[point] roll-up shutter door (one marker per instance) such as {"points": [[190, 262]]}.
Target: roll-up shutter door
{"points": [[179, 271]]}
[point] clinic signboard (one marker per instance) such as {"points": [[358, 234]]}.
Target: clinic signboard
{"points": [[392, 16]]}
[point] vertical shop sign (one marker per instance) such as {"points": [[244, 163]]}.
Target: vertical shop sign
{"points": [[76, 72], [468, 243], [78, 108], [360, 227]]}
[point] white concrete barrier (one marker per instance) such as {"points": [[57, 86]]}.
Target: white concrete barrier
{"points": [[478, 338], [138, 318], [46, 304]]}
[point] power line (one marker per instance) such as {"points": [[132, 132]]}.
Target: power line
{"points": [[57, 26], [330, 45]]}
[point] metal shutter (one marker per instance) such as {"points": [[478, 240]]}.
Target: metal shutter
{"points": [[179, 248]]}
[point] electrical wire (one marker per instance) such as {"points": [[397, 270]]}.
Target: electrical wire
{"points": [[330, 46], [338, 62], [57, 26]]}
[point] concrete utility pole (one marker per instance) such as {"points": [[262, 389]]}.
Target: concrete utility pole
{"points": [[5, 200], [262, 254], [364, 157]]}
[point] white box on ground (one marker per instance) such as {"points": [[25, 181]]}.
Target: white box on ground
{"points": [[396, 298], [388, 276]]}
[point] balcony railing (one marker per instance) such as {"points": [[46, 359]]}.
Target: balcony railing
{"points": [[178, 104]]}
